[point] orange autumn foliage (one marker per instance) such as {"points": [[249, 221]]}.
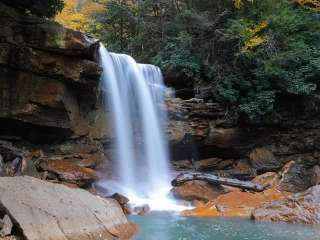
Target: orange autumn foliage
{"points": [[78, 16]]}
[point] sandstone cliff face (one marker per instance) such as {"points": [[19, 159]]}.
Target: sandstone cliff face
{"points": [[49, 100], [208, 136], [48, 78]]}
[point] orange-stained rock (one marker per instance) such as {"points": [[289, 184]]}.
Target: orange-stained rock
{"points": [[268, 179], [70, 172], [295, 177], [235, 204], [198, 190], [300, 208]]}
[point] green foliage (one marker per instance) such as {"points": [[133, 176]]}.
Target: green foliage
{"points": [[286, 64], [40, 8], [250, 54], [176, 35], [47, 8]]}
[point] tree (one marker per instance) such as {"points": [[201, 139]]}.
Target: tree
{"points": [[41, 8], [279, 49], [81, 17]]}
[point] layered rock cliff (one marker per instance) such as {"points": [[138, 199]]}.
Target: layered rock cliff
{"points": [[49, 85], [210, 137]]}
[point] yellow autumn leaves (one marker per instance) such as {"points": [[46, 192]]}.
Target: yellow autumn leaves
{"points": [[310, 4], [239, 3], [78, 16], [254, 38]]}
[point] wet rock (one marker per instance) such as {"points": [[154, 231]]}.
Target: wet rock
{"points": [[183, 165], [122, 200], [142, 210], [300, 208], [263, 160], [235, 204], [5, 226], [70, 172], [124, 203], [295, 178], [315, 175], [242, 170], [16, 161], [10, 238], [213, 164], [268, 180], [198, 190], [44, 210]]}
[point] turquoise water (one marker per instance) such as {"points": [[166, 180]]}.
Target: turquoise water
{"points": [[168, 226]]}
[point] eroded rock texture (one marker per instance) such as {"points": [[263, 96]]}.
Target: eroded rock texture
{"points": [[211, 137], [43, 210], [50, 106], [300, 208]]}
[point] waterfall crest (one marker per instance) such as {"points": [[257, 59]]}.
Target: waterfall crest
{"points": [[135, 95]]}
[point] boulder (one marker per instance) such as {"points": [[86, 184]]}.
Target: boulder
{"points": [[315, 175], [300, 208], [268, 179], [198, 190], [43, 210], [263, 160], [70, 172], [15, 161], [295, 178], [123, 201], [5, 226], [142, 210], [211, 164], [10, 238], [235, 204]]}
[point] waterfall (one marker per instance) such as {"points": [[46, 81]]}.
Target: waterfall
{"points": [[134, 94]]}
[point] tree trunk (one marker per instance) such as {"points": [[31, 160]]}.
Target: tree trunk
{"points": [[247, 185]]}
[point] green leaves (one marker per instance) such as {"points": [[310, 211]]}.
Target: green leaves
{"points": [[249, 56], [287, 64]]}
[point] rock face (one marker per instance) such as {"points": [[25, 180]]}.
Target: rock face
{"points": [[46, 72], [43, 210], [235, 204], [198, 190], [300, 208], [212, 137], [49, 101]]}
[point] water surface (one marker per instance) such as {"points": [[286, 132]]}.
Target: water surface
{"points": [[168, 226]]}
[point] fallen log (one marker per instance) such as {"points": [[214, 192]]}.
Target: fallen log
{"points": [[185, 177]]}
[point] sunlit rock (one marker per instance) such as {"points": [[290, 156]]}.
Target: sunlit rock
{"points": [[300, 208]]}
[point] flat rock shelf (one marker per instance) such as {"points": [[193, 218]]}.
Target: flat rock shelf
{"points": [[43, 210]]}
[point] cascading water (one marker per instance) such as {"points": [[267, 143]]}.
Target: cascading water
{"points": [[135, 96]]}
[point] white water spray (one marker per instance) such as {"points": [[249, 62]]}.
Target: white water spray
{"points": [[135, 94]]}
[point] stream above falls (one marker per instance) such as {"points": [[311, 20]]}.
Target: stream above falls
{"points": [[169, 226]]}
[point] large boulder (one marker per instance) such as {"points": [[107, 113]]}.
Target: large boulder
{"points": [[263, 160], [300, 208], [69, 172], [198, 190], [235, 204], [295, 178], [43, 210]]}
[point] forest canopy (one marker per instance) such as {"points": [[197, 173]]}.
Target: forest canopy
{"points": [[40, 8], [244, 53]]}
